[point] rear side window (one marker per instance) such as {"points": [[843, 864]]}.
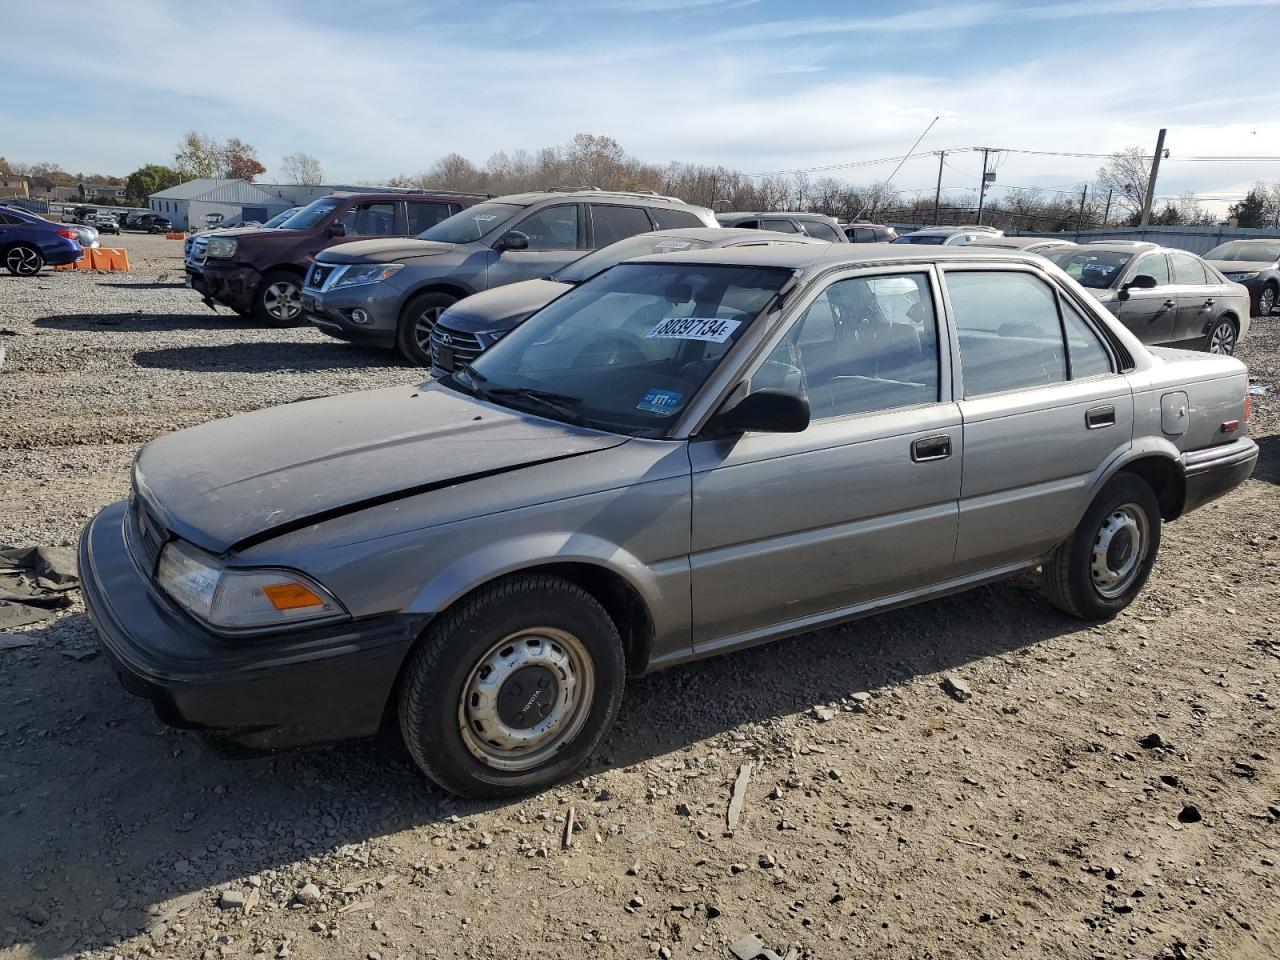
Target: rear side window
{"points": [[1010, 334], [668, 218], [423, 215], [552, 228], [1089, 358], [6, 219], [863, 235], [1187, 269], [782, 226], [613, 223], [821, 231]]}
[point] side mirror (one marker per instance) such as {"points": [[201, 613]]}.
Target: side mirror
{"points": [[766, 411], [336, 229], [513, 240], [1143, 281]]}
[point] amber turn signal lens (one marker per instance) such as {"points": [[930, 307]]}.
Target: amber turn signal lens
{"points": [[291, 596]]}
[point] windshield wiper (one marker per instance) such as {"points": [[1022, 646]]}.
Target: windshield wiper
{"points": [[560, 403]]}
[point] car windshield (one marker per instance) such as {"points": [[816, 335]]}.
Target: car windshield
{"points": [[1238, 250], [1097, 268], [279, 219], [472, 223], [638, 246], [932, 238], [311, 214], [628, 350]]}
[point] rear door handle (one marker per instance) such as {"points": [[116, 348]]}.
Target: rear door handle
{"points": [[1171, 303], [1209, 302], [931, 448], [1095, 418]]}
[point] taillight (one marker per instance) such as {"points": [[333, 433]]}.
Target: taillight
{"points": [[1248, 405], [69, 234]]}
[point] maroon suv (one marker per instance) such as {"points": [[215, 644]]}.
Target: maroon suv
{"points": [[259, 271]]}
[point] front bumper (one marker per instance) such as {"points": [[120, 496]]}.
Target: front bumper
{"points": [[330, 312], [232, 286], [1213, 472], [329, 683]]}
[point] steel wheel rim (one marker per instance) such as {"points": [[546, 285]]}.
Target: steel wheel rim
{"points": [[426, 323], [1119, 550], [1266, 302], [1223, 339], [23, 261], [500, 678], [283, 300]]}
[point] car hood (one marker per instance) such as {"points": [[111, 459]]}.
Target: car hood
{"points": [[503, 307], [383, 251], [1241, 266], [246, 479]]}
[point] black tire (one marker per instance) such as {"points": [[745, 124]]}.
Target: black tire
{"points": [[1222, 337], [278, 300], [1267, 298], [416, 320], [1075, 578], [23, 260], [441, 715]]}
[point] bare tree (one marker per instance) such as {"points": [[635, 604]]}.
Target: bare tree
{"points": [[1126, 173], [301, 168]]}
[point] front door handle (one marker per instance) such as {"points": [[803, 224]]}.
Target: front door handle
{"points": [[1209, 302], [1095, 418], [931, 448], [1171, 303]]}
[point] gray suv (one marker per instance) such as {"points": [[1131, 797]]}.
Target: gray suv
{"points": [[390, 293]]}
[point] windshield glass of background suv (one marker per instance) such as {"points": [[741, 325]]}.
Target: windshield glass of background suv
{"points": [[279, 220], [1096, 269], [310, 215], [1257, 252], [627, 350], [471, 224], [638, 246]]}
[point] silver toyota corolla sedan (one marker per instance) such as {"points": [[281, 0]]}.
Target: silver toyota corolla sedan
{"points": [[686, 455]]}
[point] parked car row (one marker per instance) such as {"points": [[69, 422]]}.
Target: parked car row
{"points": [[28, 242], [738, 437]]}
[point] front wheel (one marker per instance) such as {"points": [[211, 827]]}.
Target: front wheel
{"points": [[512, 690], [417, 320], [1221, 339], [278, 299], [23, 260], [1266, 301], [1104, 564]]}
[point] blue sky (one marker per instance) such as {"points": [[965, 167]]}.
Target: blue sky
{"points": [[384, 87]]}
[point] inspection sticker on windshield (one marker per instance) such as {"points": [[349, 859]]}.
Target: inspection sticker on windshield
{"points": [[484, 217], [710, 329], [672, 245], [662, 402]]}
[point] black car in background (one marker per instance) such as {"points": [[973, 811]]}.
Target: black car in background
{"points": [[1256, 265], [148, 223], [815, 225]]}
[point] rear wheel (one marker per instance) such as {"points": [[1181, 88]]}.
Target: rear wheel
{"points": [[1221, 339], [23, 260], [278, 300], [1104, 564], [417, 320], [512, 690]]}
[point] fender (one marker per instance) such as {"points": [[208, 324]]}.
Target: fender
{"points": [[1141, 448]]}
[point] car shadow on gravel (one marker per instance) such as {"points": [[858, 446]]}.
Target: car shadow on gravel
{"points": [[146, 322], [145, 285], [106, 811], [266, 357], [1268, 468]]}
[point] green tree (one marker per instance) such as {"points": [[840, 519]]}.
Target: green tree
{"points": [[1251, 211], [150, 179], [198, 155]]}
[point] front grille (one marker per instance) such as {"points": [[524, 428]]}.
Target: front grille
{"points": [[452, 350], [198, 253], [320, 272], [150, 534]]}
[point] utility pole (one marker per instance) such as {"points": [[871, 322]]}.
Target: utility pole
{"points": [[982, 189], [1084, 195], [1106, 217], [937, 194], [1151, 181]]}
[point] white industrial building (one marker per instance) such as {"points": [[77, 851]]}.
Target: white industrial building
{"points": [[201, 203]]}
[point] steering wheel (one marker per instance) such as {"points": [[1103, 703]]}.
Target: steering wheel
{"points": [[617, 348]]}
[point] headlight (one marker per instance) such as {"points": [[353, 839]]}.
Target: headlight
{"points": [[492, 336], [240, 599], [221, 248], [359, 273], [1251, 275]]}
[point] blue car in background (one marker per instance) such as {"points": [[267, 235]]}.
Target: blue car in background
{"points": [[28, 242]]}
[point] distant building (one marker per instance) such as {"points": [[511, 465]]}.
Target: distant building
{"points": [[12, 185], [200, 203]]}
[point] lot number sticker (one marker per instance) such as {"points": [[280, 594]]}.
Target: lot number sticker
{"points": [[662, 402], [709, 329]]}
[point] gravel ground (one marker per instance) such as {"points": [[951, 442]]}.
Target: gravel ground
{"points": [[883, 817]]}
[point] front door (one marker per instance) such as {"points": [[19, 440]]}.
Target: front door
{"points": [[790, 530], [1150, 313], [556, 237], [1044, 408]]}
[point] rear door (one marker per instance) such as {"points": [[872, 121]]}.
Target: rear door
{"points": [[1150, 314], [557, 236], [611, 222], [1044, 406], [789, 529], [369, 219], [421, 215], [1198, 294]]}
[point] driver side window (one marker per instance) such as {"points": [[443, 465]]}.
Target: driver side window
{"points": [[551, 228], [1154, 265], [865, 344]]}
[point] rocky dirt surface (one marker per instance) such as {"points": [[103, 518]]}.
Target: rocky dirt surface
{"points": [[975, 777]]}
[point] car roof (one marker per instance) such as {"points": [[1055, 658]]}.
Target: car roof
{"points": [[948, 231], [1123, 246], [606, 196], [756, 214], [1018, 243], [728, 236], [806, 257]]}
